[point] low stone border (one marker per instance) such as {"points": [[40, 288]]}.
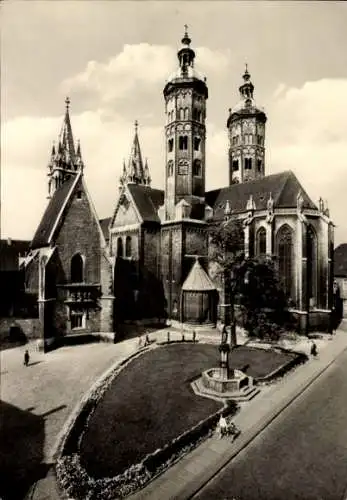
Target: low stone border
{"points": [[74, 480], [300, 358]]}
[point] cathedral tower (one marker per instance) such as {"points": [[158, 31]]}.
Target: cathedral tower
{"points": [[136, 172], [66, 160], [246, 128], [185, 96]]}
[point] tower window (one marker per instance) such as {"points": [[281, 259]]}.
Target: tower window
{"points": [[79, 195], [195, 114], [197, 142], [260, 140], [197, 167], [248, 163], [170, 167], [235, 165], [186, 113], [259, 165], [170, 145], [183, 142], [183, 167], [181, 114], [199, 116]]}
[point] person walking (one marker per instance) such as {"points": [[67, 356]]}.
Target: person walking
{"points": [[26, 357], [314, 350]]}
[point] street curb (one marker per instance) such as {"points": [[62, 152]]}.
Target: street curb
{"points": [[201, 480]]}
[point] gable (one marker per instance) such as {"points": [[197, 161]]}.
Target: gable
{"points": [[125, 212]]}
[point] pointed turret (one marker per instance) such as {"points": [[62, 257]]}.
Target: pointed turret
{"points": [[65, 160], [135, 172]]}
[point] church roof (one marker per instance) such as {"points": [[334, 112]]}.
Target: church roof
{"points": [[51, 214], [198, 280], [340, 260], [283, 187], [147, 200], [104, 223]]}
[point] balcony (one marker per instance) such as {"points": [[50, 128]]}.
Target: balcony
{"points": [[83, 294]]}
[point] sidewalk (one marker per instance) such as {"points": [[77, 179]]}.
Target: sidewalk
{"points": [[192, 471], [188, 475]]}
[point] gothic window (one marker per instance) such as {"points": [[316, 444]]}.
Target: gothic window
{"points": [[259, 164], [197, 167], [183, 142], [186, 113], [128, 246], [285, 257], [170, 168], [235, 165], [170, 145], [181, 114], [260, 140], [77, 269], [183, 167], [197, 142], [311, 263], [248, 163], [261, 241], [119, 247], [246, 138]]}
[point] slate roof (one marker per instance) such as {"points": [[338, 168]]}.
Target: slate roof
{"points": [[104, 223], [198, 280], [147, 200], [340, 260], [41, 237], [284, 188]]}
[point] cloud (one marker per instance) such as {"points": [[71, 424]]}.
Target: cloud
{"points": [[137, 69], [305, 133]]}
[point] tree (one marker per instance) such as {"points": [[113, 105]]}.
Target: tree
{"points": [[252, 281]]}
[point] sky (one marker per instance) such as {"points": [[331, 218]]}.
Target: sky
{"points": [[112, 59]]}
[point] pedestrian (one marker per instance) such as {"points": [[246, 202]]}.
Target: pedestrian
{"points": [[26, 357], [223, 427], [314, 350]]}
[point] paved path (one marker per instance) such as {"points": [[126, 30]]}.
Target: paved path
{"points": [[55, 383]]}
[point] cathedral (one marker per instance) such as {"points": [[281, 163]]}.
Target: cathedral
{"points": [[150, 259]]}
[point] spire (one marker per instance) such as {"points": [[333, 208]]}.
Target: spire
{"points": [[135, 172], [186, 54], [65, 160], [247, 88]]}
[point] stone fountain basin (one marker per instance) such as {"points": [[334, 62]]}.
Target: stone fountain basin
{"points": [[211, 379]]}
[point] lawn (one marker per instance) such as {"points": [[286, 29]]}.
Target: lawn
{"points": [[151, 402]]}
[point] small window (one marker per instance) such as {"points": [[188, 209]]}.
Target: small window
{"points": [[235, 165], [79, 195], [170, 145], [77, 320], [128, 246], [197, 167], [183, 142], [248, 163], [181, 114], [195, 114], [259, 165], [119, 247], [186, 113], [183, 167], [170, 168], [197, 142], [76, 269], [199, 116]]}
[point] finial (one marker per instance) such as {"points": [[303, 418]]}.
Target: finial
{"points": [[67, 103], [246, 74], [186, 40], [136, 126]]}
